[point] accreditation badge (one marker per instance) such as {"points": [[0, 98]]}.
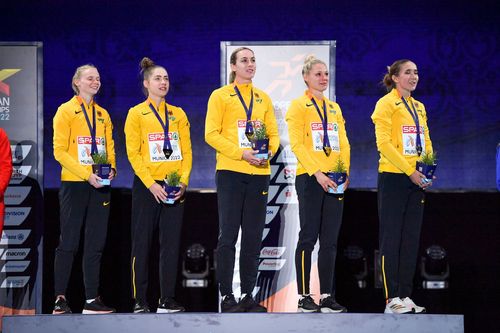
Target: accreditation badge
{"points": [[155, 143], [84, 146], [243, 141], [317, 136], [409, 138]]}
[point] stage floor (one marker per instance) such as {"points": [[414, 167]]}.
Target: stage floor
{"points": [[235, 322]]}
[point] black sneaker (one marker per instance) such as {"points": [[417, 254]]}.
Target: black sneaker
{"points": [[140, 307], [248, 304], [229, 304], [330, 305], [169, 305], [306, 304], [61, 306], [96, 307]]}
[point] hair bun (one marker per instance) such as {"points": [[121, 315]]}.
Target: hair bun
{"points": [[146, 62], [309, 58]]}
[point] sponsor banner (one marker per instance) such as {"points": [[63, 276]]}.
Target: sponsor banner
{"points": [[14, 237], [288, 195], [15, 216], [19, 173], [286, 175], [286, 156], [272, 264], [15, 254], [15, 266], [15, 195], [15, 282], [21, 115], [272, 252], [19, 152]]}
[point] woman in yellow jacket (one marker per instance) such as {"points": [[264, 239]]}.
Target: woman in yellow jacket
{"points": [[82, 128], [158, 143], [242, 178], [402, 135], [318, 139]]}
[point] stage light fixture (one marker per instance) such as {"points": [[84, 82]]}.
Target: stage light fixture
{"points": [[357, 264], [195, 267], [434, 268]]}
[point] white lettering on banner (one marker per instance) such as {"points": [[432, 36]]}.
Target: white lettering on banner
{"points": [[15, 282], [317, 135], [15, 216], [19, 152], [272, 252], [271, 212], [287, 156], [287, 196], [16, 254], [272, 264], [84, 146], [156, 154], [19, 173], [15, 195], [410, 139], [15, 266], [14, 237]]}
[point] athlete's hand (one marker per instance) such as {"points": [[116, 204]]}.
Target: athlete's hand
{"points": [[158, 192], [112, 174], [324, 181], [94, 180], [179, 194], [249, 156], [417, 178]]}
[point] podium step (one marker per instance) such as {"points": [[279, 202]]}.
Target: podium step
{"points": [[235, 322]]}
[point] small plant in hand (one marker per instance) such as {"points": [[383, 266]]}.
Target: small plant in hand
{"points": [[428, 158], [427, 165], [339, 166], [260, 131], [339, 176], [173, 178], [101, 167], [100, 158]]}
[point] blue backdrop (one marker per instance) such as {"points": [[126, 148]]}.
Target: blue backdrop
{"points": [[455, 45]]}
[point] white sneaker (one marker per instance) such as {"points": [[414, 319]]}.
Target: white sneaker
{"points": [[397, 306], [409, 303]]}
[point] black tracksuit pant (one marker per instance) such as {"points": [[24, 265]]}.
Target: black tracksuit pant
{"points": [[320, 216], [242, 200], [400, 208], [82, 208], [152, 219]]}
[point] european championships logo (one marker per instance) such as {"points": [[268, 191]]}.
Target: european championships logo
{"points": [[5, 92]]}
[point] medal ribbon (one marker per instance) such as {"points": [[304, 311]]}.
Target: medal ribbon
{"points": [[167, 147], [92, 128], [324, 121], [248, 110]]}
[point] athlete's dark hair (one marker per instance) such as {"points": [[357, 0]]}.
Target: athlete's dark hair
{"points": [[392, 70]]}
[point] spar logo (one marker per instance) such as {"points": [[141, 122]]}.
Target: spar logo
{"points": [[15, 216], [5, 92]]}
